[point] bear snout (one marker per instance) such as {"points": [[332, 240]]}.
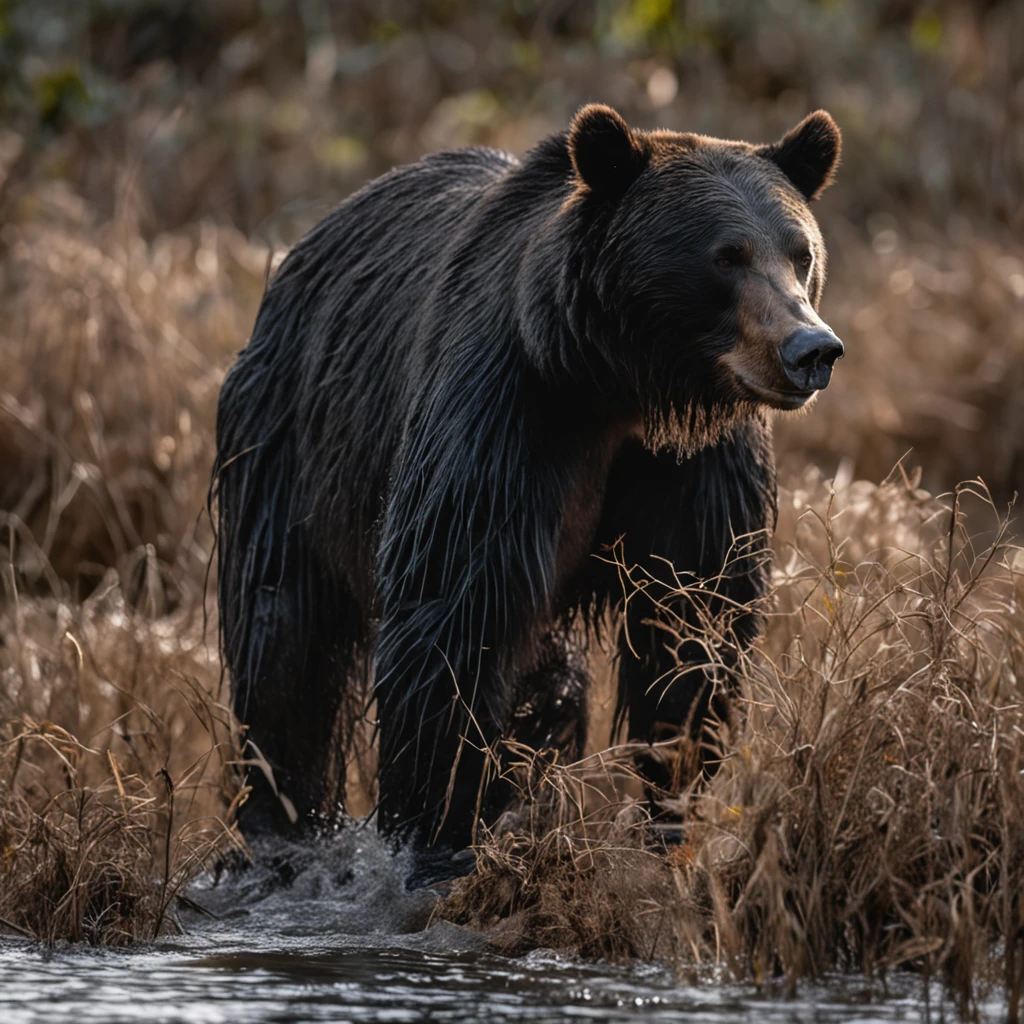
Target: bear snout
{"points": [[807, 357]]}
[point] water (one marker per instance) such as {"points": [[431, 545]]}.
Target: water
{"points": [[339, 940]]}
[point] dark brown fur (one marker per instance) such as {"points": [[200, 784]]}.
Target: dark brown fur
{"points": [[469, 380]]}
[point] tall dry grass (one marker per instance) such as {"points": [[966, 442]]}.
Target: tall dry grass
{"points": [[113, 349], [117, 757], [117, 769], [867, 813]]}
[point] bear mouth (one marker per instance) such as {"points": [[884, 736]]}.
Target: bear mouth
{"points": [[788, 400]]}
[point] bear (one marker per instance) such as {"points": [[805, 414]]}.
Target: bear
{"points": [[464, 386]]}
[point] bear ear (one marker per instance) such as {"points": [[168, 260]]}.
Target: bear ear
{"points": [[808, 154], [607, 155]]}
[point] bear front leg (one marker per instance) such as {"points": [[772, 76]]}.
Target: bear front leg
{"points": [[706, 517], [465, 576]]}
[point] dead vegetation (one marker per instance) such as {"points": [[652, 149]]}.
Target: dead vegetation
{"points": [[113, 349], [117, 768], [867, 814], [116, 755]]}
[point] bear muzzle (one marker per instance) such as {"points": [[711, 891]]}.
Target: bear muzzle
{"points": [[807, 357]]}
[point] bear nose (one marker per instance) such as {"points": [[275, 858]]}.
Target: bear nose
{"points": [[808, 355]]}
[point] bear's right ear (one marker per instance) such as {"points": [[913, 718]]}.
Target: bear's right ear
{"points": [[808, 154], [607, 155]]}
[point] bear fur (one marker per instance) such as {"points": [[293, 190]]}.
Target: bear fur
{"points": [[470, 379]]}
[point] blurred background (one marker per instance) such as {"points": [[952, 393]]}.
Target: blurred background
{"points": [[156, 157]]}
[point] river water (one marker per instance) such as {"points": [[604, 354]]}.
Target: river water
{"points": [[327, 933]]}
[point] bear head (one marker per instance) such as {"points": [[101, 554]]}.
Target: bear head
{"points": [[704, 268]]}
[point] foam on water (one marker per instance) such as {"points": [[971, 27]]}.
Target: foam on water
{"points": [[350, 884]]}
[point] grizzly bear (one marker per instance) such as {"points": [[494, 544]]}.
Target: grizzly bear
{"points": [[463, 387]]}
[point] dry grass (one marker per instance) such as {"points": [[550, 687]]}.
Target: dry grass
{"points": [[113, 350], [116, 756], [869, 812], [116, 769]]}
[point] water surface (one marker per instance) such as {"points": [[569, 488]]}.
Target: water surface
{"points": [[327, 934]]}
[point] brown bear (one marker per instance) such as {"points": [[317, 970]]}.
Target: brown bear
{"points": [[465, 383]]}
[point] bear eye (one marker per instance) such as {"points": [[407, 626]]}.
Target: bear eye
{"points": [[804, 260], [727, 259]]}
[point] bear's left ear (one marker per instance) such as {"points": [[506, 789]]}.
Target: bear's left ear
{"points": [[607, 155], [809, 154]]}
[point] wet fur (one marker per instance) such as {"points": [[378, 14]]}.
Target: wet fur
{"points": [[463, 385]]}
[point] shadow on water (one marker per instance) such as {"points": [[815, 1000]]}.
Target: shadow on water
{"points": [[326, 932]]}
